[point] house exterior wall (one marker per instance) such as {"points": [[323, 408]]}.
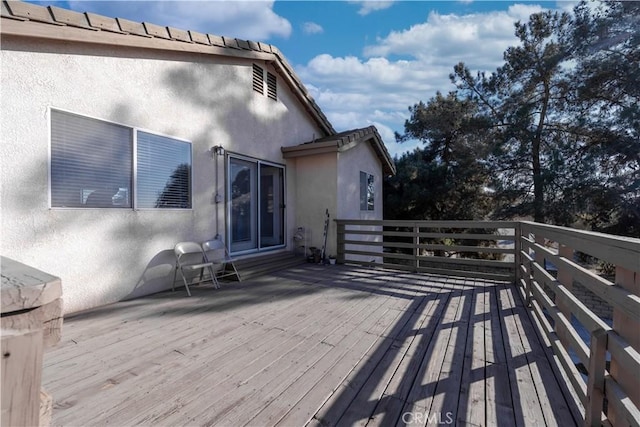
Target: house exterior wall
{"points": [[315, 193], [350, 163], [105, 255]]}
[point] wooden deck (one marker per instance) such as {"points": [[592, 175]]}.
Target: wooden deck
{"points": [[311, 345]]}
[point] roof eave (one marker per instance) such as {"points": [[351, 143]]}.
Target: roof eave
{"points": [[344, 142], [27, 20]]}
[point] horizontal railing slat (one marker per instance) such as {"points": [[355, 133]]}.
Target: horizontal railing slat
{"points": [[618, 398], [430, 224], [578, 345], [615, 295], [527, 250], [575, 378], [618, 250]]}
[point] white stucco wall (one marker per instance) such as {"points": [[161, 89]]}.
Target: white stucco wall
{"points": [[350, 164], [316, 192], [105, 255], [360, 158], [332, 181]]}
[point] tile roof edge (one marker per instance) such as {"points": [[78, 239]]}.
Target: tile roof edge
{"points": [[100, 25], [344, 141]]}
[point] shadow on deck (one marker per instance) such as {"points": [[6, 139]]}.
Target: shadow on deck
{"points": [[311, 345]]}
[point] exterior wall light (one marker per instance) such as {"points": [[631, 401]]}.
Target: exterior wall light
{"points": [[218, 150]]}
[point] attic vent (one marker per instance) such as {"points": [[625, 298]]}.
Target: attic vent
{"points": [[272, 88], [258, 79]]}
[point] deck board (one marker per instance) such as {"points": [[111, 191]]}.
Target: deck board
{"points": [[309, 345]]}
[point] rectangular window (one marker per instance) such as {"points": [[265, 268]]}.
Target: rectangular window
{"points": [[163, 173], [366, 192], [92, 166], [91, 161]]}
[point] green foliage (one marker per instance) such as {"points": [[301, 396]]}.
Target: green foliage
{"points": [[446, 179], [607, 107], [524, 100], [554, 132]]}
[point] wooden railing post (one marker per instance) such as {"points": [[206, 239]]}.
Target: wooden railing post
{"points": [[340, 231], [595, 383], [416, 250], [517, 256], [539, 258], [629, 330], [31, 321]]}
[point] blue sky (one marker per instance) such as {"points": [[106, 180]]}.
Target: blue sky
{"points": [[364, 62]]}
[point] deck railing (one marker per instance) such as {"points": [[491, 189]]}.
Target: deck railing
{"points": [[479, 249], [559, 271]]}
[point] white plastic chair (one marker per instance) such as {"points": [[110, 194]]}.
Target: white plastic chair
{"points": [[216, 252], [189, 258]]}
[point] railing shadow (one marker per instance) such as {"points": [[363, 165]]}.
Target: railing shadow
{"points": [[459, 350], [415, 394]]}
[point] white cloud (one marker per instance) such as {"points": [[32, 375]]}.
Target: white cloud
{"points": [[476, 39], [249, 20], [407, 66], [312, 28], [368, 6]]}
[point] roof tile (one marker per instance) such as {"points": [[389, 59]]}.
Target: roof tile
{"points": [[132, 27], [199, 38], [216, 40], [21, 11], [6, 13], [230, 42], [103, 22], [156, 30], [265, 47], [70, 17], [243, 44], [31, 11], [180, 35], [253, 45]]}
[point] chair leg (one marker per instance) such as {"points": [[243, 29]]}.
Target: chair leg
{"points": [[186, 285], [236, 271], [175, 273], [214, 279]]}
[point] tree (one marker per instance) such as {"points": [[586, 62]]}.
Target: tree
{"points": [[607, 106], [556, 129], [524, 99], [446, 179]]}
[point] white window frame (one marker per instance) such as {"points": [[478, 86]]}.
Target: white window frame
{"points": [[134, 178], [258, 162]]}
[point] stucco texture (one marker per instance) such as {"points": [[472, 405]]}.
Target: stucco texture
{"points": [[332, 181], [360, 158], [105, 255]]}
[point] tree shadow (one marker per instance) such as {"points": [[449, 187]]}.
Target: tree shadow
{"points": [[104, 255]]}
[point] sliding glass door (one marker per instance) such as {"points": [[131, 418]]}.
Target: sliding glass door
{"points": [[255, 200]]}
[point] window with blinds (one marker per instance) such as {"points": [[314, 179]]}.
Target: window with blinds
{"points": [[91, 162], [92, 166], [163, 172]]}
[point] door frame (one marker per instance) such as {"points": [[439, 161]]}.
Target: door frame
{"points": [[283, 209]]}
